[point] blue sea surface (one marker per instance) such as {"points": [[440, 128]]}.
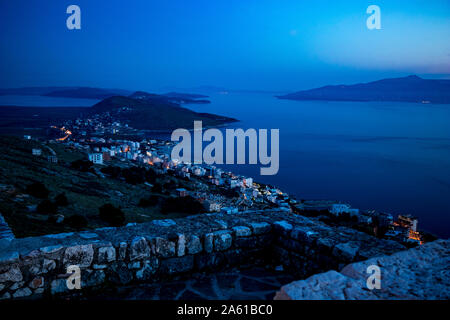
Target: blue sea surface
{"points": [[388, 156], [43, 101]]}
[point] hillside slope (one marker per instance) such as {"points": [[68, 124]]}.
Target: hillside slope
{"points": [[406, 89], [155, 114]]}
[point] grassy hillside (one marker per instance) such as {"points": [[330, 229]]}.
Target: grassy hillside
{"points": [[85, 191], [155, 114]]}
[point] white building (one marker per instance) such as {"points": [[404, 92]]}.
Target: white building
{"points": [[339, 208], [211, 206], [229, 210], [96, 158]]}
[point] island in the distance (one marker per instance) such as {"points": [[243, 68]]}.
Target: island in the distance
{"points": [[140, 110], [405, 89]]}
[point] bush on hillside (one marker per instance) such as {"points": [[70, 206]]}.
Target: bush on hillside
{"points": [[112, 215]]}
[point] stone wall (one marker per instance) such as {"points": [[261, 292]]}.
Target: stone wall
{"points": [[162, 249], [419, 273]]}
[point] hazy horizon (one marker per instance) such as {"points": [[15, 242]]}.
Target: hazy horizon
{"points": [[239, 45]]}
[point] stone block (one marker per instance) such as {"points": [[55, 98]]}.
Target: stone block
{"points": [[260, 227], [139, 249], [241, 231], [222, 240], [81, 255]]}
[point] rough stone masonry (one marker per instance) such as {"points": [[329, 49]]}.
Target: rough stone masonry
{"points": [[419, 273], [161, 249]]}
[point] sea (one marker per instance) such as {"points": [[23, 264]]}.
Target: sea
{"points": [[388, 156]]}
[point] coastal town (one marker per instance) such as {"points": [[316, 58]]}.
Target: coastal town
{"points": [[108, 142]]}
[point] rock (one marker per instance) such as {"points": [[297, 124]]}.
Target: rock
{"points": [[17, 285], [41, 267], [148, 270], [177, 265], [92, 278], [222, 224], [21, 293], [419, 273], [260, 227], [119, 273], [37, 282], [81, 256], [304, 234], [9, 257], [99, 266], [106, 254], [59, 218], [59, 235], [346, 251], [325, 245], [88, 235], [194, 245], [315, 288], [164, 222], [241, 231], [51, 249], [222, 240], [39, 291], [134, 265], [283, 227], [279, 268], [122, 250], [164, 248], [139, 249], [10, 273], [181, 245], [48, 265], [209, 245], [58, 286], [6, 296]]}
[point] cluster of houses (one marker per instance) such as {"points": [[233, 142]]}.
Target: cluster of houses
{"points": [[402, 230], [156, 153]]}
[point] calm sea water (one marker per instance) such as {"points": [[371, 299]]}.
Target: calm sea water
{"points": [[385, 156], [41, 101], [375, 155]]}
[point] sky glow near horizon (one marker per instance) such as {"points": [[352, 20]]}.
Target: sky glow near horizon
{"points": [[258, 44]]}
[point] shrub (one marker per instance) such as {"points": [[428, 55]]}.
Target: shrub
{"points": [[113, 172], [38, 190], [112, 215], [134, 175], [186, 205], [82, 165], [157, 188], [47, 207], [61, 200], [77, 222], [149, 202]]}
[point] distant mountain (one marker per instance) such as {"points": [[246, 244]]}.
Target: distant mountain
{"points": [[406, 89], [65, 92], [173, 97], [151, 112], [87, 93], [29, 91], [184, 95]]}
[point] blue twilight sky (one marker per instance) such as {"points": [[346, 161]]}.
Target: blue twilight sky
{"points": [[244, 44]]}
